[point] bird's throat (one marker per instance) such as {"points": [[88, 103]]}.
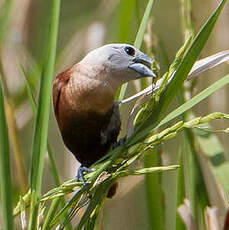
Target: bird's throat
{"points": [[90, 95]]}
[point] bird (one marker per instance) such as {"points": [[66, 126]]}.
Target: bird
{"points": [[83, 99]]}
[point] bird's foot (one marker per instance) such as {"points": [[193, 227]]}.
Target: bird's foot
{"points": [[120, 142], [80, 175]]}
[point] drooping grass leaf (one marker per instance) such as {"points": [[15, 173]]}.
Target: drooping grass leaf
{"points": [[195, 100], [179, 77], [187, 63]]}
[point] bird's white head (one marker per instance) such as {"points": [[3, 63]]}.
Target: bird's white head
{"points": [[123, 62]]}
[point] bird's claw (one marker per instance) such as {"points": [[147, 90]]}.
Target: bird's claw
{"points": [[80, 175], [120, 142]]}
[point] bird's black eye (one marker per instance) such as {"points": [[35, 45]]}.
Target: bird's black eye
{"points": [[129, 50]]}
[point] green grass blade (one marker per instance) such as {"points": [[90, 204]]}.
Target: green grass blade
{"points": [[139, 39], [154, 192], [5, 175], [142, 28], [195, 100], [180, 192], [188, 61], [52, 163], [180, 75], [29, 91], [32, 102], [42, 119], [195, 182], [126, 14]]}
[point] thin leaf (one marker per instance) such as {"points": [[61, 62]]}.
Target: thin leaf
{"points": [[199, 67], [180, 192], [126, 14], [208, 63], [179, 76], [5, 174], [138, 40], [154, 191], [42, 120], [142, 28], [32, 102], [194, 183], [195, 100]]}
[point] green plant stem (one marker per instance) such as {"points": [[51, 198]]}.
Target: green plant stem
{"points": [[5, 173], [52, 164], [154, 192], [139, 39], [180, 192], [32, 102], [42, 120], [188, 148]]}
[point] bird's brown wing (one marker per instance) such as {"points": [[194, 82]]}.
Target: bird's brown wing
{"points": [[60, 81]]}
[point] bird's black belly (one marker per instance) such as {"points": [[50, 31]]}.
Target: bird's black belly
{"points": [[84, 135]]}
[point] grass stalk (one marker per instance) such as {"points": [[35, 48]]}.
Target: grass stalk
{"points": [[138, 39], [180, 191], [5, 173], [154, 192], [42, 119], [52, 164], [32, 102]]}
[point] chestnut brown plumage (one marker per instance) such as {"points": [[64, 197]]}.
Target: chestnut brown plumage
{"points": [[83, 98]]}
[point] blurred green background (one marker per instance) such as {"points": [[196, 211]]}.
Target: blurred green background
{"points": [[85, 25]]}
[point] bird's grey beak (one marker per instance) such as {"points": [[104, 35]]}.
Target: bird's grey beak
{"points": [[142, 65]]}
